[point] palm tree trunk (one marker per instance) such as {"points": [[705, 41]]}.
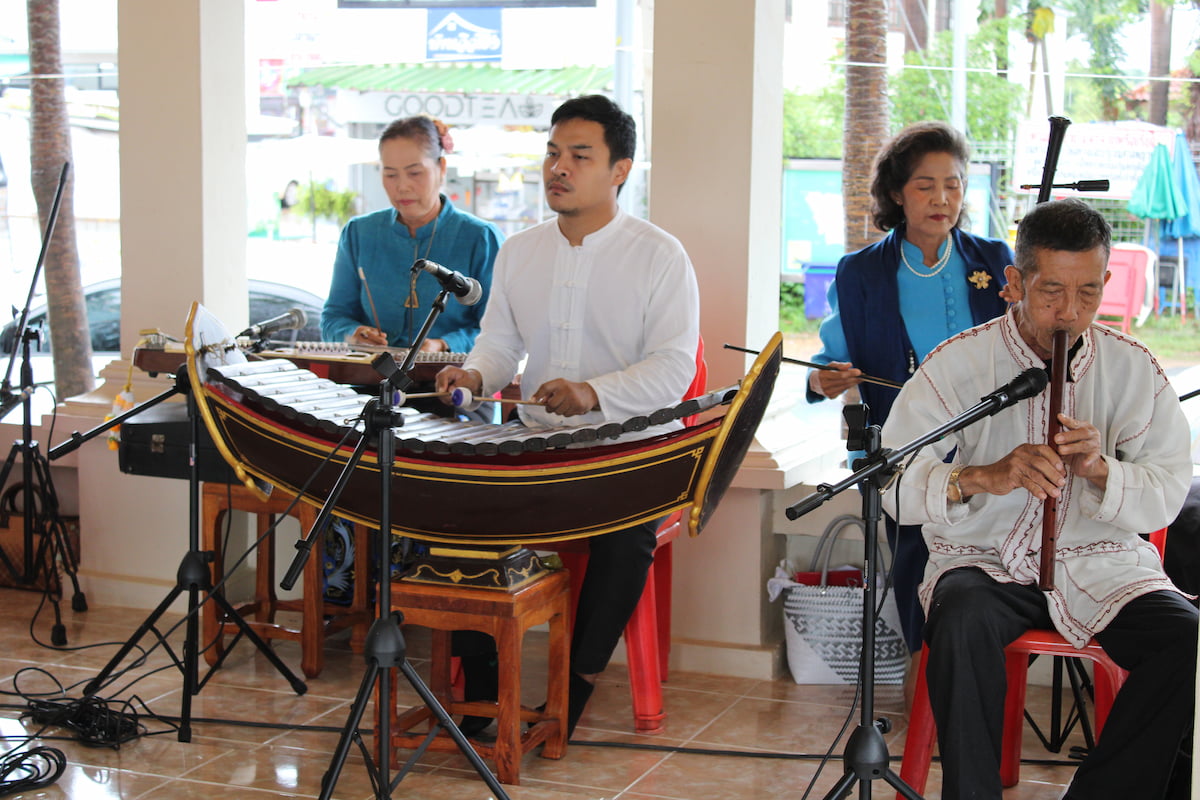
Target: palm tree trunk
{"points": [[867, 113], [1160, 60], [50, 148], [916, 27]]}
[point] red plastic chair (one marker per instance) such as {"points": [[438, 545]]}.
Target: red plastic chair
{"points": [[648, 633], [922, 731]]}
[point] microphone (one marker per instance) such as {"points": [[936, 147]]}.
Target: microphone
{"points": [[291, 320], [1029, 383], [467, 290]]}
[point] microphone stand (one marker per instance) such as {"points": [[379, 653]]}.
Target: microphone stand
{"points": [[36, 483], [193, 577], [385, 649], [400, 379], [866, 756], [397, 378]]}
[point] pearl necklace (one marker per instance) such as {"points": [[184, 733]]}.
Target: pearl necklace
{"points": [[938, 265]]}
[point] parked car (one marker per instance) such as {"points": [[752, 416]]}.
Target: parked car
{"points": [[103, 299]]}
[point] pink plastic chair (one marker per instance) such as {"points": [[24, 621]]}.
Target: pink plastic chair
{"points": [[1125, 291]]}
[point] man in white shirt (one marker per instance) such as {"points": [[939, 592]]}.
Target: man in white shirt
{"points": [[1120, 467], [605, 308]]}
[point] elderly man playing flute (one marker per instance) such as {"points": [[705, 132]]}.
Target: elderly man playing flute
{"points": [[1118, 467]]}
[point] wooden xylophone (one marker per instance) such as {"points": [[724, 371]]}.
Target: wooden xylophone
{"points": [[280, 427]]}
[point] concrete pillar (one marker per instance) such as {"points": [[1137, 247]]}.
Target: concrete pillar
{"points": [[715, 138]]}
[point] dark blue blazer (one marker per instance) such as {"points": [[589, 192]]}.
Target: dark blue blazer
{"points": [[868, 296]]}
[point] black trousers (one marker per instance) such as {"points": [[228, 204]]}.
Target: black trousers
{"points": [[618, 564], [971, 620]]}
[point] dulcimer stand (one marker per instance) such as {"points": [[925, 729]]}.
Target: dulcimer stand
{"points": [[192, 577]]}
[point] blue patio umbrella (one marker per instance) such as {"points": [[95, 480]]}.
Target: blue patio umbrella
{"points": [[1186, 224], [1157, 196], [1185, 229]]}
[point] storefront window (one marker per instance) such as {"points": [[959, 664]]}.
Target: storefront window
{"points": [[330, 78], [88, 35]]}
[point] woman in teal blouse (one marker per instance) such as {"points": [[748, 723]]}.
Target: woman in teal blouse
{"points": [[374, 297]]}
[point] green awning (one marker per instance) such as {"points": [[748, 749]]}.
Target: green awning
{"points": [[457, 78]]}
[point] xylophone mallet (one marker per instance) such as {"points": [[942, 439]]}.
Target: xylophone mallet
{"points": [[460, 397]]}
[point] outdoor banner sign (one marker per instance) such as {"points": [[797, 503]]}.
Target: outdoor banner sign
{"points": [[466, 35], [1117, 151]]}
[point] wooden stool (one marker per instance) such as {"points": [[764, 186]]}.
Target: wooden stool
{"points": [[506, 616], [317, 617]]}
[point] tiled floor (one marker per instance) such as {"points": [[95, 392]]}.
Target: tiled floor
{"points": [[253, 738]]}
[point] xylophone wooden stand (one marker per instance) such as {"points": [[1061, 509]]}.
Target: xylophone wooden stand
{"points": [[386, 650], [505, 616]]}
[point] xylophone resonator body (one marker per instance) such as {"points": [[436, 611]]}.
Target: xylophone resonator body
{"points": [[473, 483]]}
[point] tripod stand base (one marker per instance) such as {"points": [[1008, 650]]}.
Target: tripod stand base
{"points": [[867, 760], [191, 578]]}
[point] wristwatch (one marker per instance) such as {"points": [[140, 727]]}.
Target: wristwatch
{"points": [[954, 491]]}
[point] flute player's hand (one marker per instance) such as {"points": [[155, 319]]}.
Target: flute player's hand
{"points": [[1035, 468], [1079, 444]]}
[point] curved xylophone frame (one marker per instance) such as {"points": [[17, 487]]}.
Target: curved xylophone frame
{"points": [[498, 499]]}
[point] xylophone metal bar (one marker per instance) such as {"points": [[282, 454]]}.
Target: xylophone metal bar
{"points": [[298, 394]]}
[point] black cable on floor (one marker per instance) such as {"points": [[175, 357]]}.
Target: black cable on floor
{"points": [[95, 722], [25, 770]]}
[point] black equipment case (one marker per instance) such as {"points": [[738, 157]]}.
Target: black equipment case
{"points": [[155, 443]]}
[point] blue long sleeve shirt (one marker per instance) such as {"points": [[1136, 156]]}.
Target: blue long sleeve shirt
{"points": [[382, 247]]}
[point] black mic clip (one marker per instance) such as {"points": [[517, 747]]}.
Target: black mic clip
{"points": [[386, 366]]}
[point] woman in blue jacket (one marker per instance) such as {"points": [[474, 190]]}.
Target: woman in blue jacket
{"points": [[894, 301]]}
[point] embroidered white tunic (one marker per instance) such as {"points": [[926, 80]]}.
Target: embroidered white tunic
{"points": [[1101, 561], [621, 311]]}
